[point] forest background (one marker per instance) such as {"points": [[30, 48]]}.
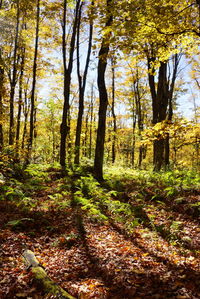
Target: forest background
{"points": [[142, 54], [99, 150]]}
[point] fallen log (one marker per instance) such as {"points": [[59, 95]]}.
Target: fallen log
{"points": [[41, 278]]}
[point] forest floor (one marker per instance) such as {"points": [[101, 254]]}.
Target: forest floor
{"points": [[99, 257]]}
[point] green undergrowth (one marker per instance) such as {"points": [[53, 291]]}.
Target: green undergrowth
{"points": [[168, 183], [134, 198], [21, 184], [127, 197]]}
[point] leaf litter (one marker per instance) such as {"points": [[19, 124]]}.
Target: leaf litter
{"points": [[98, 260]]}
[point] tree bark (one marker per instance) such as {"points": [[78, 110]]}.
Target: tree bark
{"points": [[64, 127], [113, 114], [20, 104], [82, 84], [162, 99], [103, 98], [170, 109], [32, 111], [1, 103], [41, 278], [159, 107], [1, 94], [91, 120], [140, 117], [13, 79], [26, 109]]}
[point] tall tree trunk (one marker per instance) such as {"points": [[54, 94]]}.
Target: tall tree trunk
{"points": [[1, 93], [13, 79], [159, 107], [85, 143], [140, 117], [176, 60], [133, 140], [82, 84], [113, 114], [103, 97], [35, 61], [20, 104], [26, 109], [64, 127], [162, 98], [91, 109], [1, 102]]}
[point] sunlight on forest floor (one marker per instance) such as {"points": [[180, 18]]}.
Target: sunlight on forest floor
{"points": [[129, 237]]}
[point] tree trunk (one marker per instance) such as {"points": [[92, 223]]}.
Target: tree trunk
{"points": [[113, 114], [162, 100], [26, 109], [91, 120], [64, 127], [32, 111], [13, 79], [1, 102], [85, 141], [159, 105], [41, 278], [103, 98], [82, 84], [1, 94], [170, 109], [133, 140], [140, 117], [19, 105]]}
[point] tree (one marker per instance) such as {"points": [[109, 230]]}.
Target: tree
{"points": [[103, 96], [13, 75], [82, 82], [35, 61], [1, 101], [20, 102], [64, 128], [151, 23], [138, 101], [1, 93], [113, 111]]}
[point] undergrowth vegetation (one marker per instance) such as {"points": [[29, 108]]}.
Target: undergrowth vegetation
{"points": [[161, 210], [122, 196], [127, 197]]}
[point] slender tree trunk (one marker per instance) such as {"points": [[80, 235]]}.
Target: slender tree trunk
{"points": [[91, 120], [1, 94], [69, 140], [26, 109], [152, 86], [86, 135], [32, 111], [133, 140], [162, 98], [35, 127], [19, 105], [1, 103], [82, 84], [53, 135], [103, 98], [170, 109], [13, 79], [113, 114], [140, 118], [64, 127]]}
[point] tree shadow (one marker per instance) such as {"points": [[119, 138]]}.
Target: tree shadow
{"points": [[125, 284]]}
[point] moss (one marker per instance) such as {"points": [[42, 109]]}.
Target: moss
{"points": [[47, 284]]}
